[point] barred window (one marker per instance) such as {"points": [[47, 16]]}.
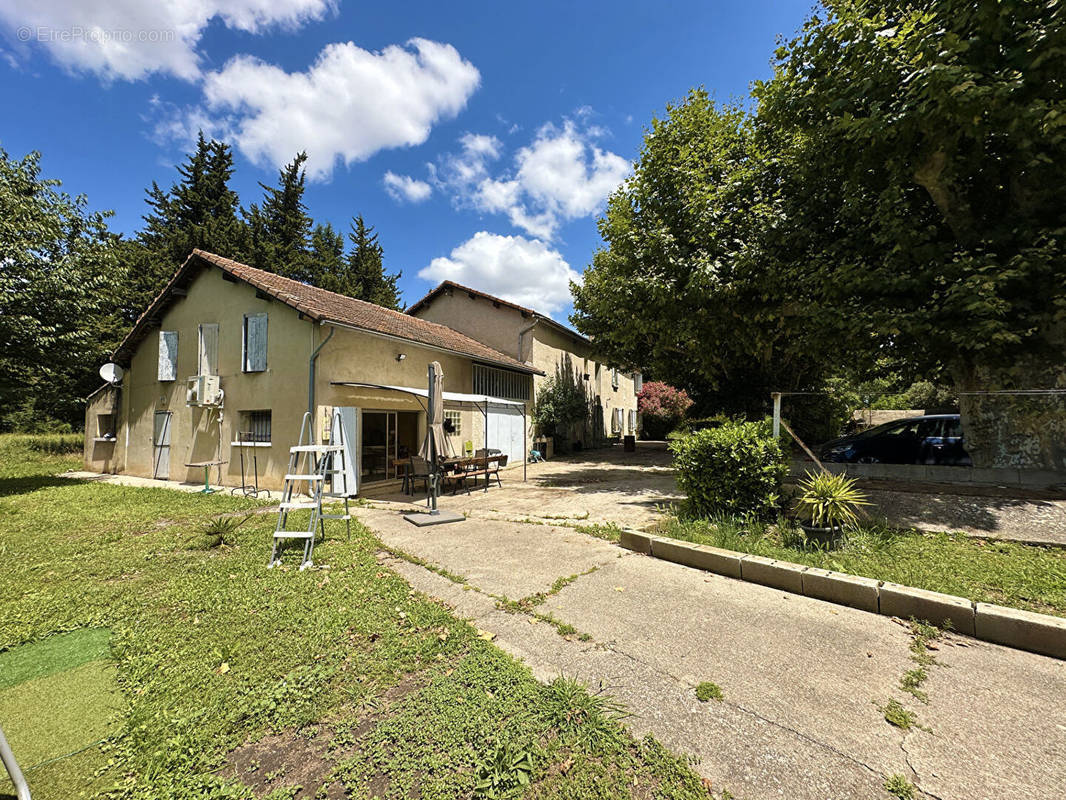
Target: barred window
{"points": [[501, 383], [255, 426]]}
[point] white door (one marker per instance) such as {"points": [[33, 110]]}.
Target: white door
{"points": [[346, 424], [505, 430], [161, 446]]}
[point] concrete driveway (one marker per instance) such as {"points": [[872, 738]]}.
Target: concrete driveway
{"points": [[803, 681]]}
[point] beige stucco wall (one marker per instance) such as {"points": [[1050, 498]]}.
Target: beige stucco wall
{"points": [[196, 433], [551, 347], [543, 346], [478, 318], [102, 412]]}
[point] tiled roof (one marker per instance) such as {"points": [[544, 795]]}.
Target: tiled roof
{"points": [[499, 301], [321, 306]]}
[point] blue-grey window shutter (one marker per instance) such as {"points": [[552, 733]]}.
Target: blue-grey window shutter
{"points": [[255, 342], [168, 355]]}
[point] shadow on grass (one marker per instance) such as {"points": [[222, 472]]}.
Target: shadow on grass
{"points": [[32, 483]]}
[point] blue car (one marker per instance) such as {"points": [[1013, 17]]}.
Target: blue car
{"points": [[932, 439]]}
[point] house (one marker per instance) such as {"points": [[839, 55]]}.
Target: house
{"points": [[540, 342], [228, 358]]}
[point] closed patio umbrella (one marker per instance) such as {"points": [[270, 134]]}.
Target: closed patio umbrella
{"points": [[436, 443]]}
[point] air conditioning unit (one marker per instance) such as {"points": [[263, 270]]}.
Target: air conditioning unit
{"points": [[203, 390]]}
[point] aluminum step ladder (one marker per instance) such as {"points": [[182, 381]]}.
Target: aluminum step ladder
{"points": [[317, 466]]}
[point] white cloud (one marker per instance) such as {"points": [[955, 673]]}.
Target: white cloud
{"points": [[404, 187], [561, 175], [130, 39], [524, 271], [350, 104]]}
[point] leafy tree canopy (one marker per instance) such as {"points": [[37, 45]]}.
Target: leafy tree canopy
{"points": [[892, 193], [59, 285]]}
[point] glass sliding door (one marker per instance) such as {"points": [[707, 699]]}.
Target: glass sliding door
{"points": [[378, 445]]}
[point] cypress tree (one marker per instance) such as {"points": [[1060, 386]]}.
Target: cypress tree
{"points": [[367, 275], [280, 229]]}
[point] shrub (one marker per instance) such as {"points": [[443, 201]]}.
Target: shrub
{"points": [[830, 501], [736, 468], [561, 403], [662, 407]]}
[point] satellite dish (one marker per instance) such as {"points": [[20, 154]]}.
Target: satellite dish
{"points": [[112, 373]]}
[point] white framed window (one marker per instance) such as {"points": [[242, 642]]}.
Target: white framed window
{"points": [[254, 426], [254, 343], [453, 420], [616, 420], [168, 356], [207, 360]]}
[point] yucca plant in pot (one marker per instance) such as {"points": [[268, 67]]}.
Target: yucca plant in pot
{"points": [[826, 504]]}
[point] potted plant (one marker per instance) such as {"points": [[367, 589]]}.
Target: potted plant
{"points": [[826, 504]]}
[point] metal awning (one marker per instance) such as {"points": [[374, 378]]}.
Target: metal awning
{"points": [[454, 397], [483, 401]]}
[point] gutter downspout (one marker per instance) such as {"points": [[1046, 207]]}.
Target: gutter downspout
{"points": [[521, 335], [311, 376]]}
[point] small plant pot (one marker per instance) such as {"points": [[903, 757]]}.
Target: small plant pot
{"points": [[826, 536]]}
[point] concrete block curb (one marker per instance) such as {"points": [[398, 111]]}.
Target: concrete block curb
{"points": [[636, 541], [1024, 630], [712, 559], [842, 588], [778, 574], [934, 607]]}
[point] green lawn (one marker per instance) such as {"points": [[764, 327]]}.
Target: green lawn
{"points": [[208, 650], [1018, 575]]}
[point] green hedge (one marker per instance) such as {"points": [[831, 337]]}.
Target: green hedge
{"points": [[736, 468]]}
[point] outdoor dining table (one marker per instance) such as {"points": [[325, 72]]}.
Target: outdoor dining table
{"points": [[461, 467]]}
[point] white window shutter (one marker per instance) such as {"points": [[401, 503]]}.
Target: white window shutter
{"points": [[168, 355], [255, 342], [208, 349]]}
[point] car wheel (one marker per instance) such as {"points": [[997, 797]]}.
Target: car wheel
{"points": [[867, 460]]}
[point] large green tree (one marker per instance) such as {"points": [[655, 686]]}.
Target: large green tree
{"points": [[894, 193], [60, 280], [686, 286]]}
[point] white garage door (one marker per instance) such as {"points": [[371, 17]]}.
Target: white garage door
{"points": [[505, 430]]}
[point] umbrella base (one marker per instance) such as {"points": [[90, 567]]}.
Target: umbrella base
{"points": [[424, 518]]}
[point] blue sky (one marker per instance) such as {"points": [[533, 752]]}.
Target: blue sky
{"points": [[480, 139]]}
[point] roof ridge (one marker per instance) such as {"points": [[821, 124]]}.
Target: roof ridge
{"points": [[323, 306]]}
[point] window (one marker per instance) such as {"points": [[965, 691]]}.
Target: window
{"points": [[501, 383], [614, 378], [168, 355], [254, 427], [453, 423], [254, 343], [632, 421], [616, 420], [638, 382], [207, 360]]}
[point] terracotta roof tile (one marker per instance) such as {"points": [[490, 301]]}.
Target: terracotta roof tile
{"points": [[321, 305]]}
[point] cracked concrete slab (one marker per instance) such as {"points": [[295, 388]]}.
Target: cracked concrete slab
{"points": [[802, 678]]}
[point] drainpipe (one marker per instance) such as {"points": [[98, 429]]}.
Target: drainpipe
{"points": [[311, 376], [521, 335]]}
